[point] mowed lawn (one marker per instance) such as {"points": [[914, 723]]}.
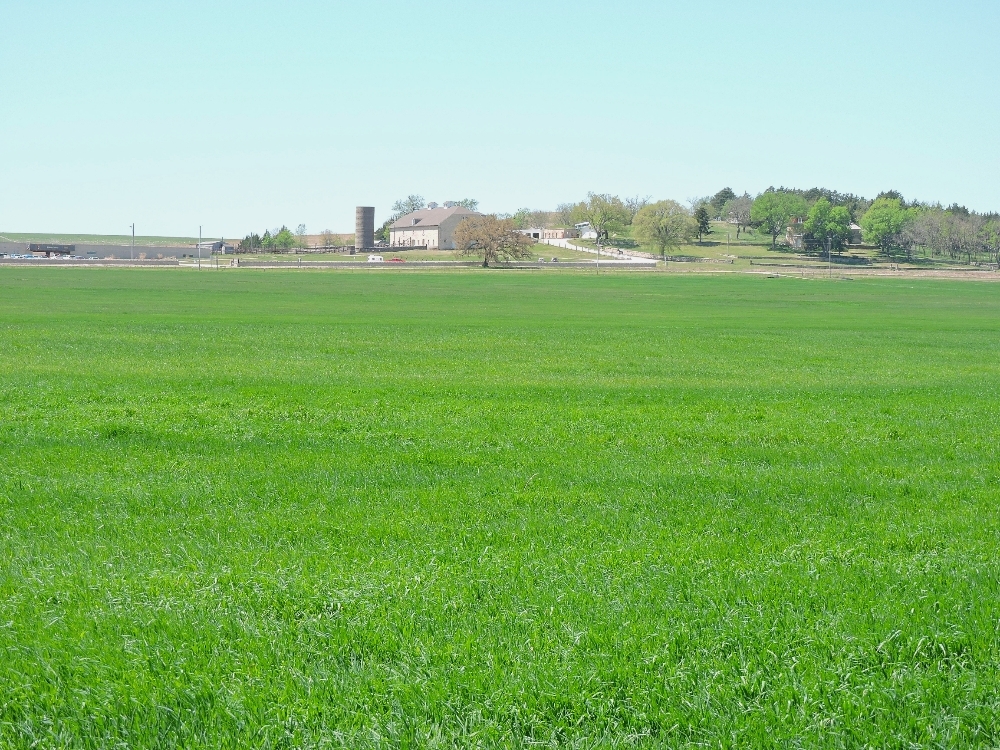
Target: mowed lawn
{"points": [[305, 509]]}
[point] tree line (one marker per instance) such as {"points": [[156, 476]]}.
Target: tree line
{"points": [[664, 224], [276, 240], [931, 230], [830, 220]]}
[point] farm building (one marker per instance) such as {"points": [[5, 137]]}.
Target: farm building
{"points": [[795, 233], [540, 233], [429, 227]]}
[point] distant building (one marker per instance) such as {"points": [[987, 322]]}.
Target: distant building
{"points": [[795, 233], [586, 231], [214, 246], [432, 228], [50, 249], [540, 233]]}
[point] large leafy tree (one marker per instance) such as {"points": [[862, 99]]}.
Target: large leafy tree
{"points": [[772, 210], [665, 224], [605, 213], [495, 239], [408, 205], [828, 221], [522, 218], [883, 223], [284, 239]]}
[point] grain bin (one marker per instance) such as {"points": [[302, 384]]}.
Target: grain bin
{"points": [[364, 227]]}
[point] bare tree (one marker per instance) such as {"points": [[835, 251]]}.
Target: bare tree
{"points": [[541, 219], [696, 201], [635, 205], [497, 240], [737, 211], [566, 213]]}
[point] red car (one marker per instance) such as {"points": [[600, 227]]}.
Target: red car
{"points": [[397, 260]]}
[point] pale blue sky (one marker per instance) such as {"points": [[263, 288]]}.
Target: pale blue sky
{"points": [[247, 115]]}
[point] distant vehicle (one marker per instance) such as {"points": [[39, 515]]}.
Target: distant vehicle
{"points": [[396, 260], [541, 260], [376, 259], [555, 260]]}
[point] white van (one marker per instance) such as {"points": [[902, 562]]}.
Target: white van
{"points": [[376, 259]]}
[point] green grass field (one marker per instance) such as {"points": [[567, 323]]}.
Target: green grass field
{"points": [[279, 509], [537, 251]]}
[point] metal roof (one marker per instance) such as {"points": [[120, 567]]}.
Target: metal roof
{"points": [[430, 217]]}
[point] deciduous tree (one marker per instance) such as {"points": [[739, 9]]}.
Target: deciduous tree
{"points": [[284, 239], [664, 224], [635, 205], [737, 211], [772, 209], [826, 221], [605, 213], [497, 240], [408, 205], [883, 223]]}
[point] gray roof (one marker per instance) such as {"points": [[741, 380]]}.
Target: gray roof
{"points": [[430, 217]]}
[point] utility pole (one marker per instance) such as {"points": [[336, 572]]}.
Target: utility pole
{"points": [[199, 247], [131, 252], [829, 255]]}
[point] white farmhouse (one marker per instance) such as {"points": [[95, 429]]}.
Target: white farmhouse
{"points": [[432, 228]]}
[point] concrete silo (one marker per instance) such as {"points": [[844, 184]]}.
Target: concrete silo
{"points": [[364, 227]]}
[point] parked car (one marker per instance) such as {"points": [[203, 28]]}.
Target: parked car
{"points": [[396, 260], [376, 259]]}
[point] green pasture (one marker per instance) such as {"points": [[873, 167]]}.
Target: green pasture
{"points": [[537, 251], [275, 509], [753, 248]]}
